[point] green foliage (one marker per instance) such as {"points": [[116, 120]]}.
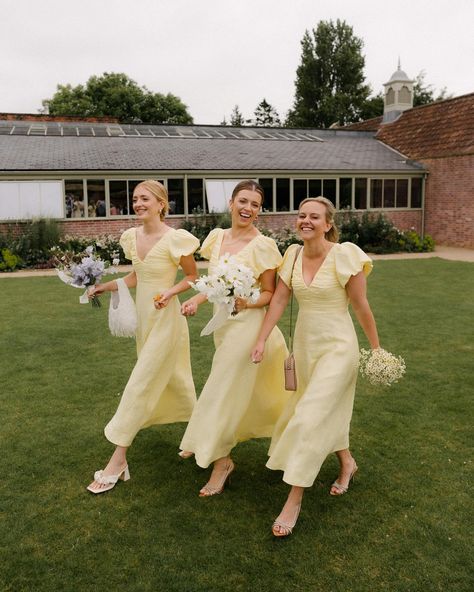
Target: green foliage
{"points": [[9, 261], [266, 115], [35, 241], [106, 247], [377, 234], [330, 78], [200, 225], [117, 95], [424, 93], [283, 238], [372, 107], [236, 117]]}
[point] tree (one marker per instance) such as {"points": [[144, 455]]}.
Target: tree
{"points": [[372, 107], [117, 95], [236, 117], [330, 78], [424, 93], [266, 115]]}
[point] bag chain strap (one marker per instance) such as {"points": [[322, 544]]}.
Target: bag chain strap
{"points": [[290, 336]]}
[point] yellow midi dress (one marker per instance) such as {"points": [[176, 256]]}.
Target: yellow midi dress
{"points": [[240, 400], [160, 388], [317, 417]]}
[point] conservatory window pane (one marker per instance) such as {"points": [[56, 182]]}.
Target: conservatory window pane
{"points": [[345, 193], [74, 198], [360, 194]]}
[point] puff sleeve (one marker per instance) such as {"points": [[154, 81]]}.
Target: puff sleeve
{"points": [[182, 243], [350, 260], [264, 256], [286, 267], [126, 242], [209, 242]]}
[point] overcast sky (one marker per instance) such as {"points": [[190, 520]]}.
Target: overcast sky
{"points": [[215, 54]]}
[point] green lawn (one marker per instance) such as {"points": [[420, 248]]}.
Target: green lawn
{"points": [[404, 526]]}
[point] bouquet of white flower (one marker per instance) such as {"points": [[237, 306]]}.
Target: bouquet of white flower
{"points": [[84, 273], [230, 280], [381, 367]]}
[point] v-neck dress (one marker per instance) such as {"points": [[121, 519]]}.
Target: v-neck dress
{"points": [[240, 400], [317, 417], [160, 388]]}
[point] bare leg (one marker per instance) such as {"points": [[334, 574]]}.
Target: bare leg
{"points": [[286, 521], [222, 468], [115, 466], [347, 469]]}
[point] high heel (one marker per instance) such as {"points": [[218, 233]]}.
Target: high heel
{"points": [[208, 490], [109, 481], [340, 488], [287, 528], [185, 453]]}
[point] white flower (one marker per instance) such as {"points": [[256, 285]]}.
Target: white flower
{"points": [[381, 367], [230, 280]]}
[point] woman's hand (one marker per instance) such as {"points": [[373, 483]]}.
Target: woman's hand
{"points": [[257, 354], [189, 308], [162, 300], [240, 305], [96, 290]]}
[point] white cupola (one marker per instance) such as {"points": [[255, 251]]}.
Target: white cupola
{"points": [[398, 95]]}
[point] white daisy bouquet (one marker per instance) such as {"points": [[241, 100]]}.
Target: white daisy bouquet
{"points": [[380, 367], [82, 271], [230, 280]]}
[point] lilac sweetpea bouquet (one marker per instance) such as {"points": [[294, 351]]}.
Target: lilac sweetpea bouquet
{"points": [[83, 271]]}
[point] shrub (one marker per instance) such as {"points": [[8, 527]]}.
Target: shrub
{"points": [[377, 234], [35, 242], [106, 247], [9, 261], [283, 238]]}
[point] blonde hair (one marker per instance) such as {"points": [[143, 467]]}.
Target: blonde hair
{"points": [[332, 234], [158, 190]]}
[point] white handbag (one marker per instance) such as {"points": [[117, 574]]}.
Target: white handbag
{"points": [[122, 312]]}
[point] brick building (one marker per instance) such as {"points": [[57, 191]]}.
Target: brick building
{"points": [[440, 136], [84, 172]]}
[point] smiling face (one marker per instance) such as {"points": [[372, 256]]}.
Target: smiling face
{"points": [[244, 207], [311, 222], [145, 204]]}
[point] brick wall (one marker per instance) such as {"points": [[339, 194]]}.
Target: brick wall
{"points": [[93, 227], [449, 200]]}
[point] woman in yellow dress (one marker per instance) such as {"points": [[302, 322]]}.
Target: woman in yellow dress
{"points": [[239, 400], [325, 277], [160, 389]]}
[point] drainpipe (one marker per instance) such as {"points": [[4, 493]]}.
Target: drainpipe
{"points": [[423, 207]]}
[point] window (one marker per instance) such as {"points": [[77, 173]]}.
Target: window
{"points": [[300, 192], [389, 193], [74, 198], [282, 195], [402, 193], [416, 185], [360, 194], [267, 185], [390, 97], [329, 190], [176, 196], [96, 198], [195, 196], [119, 202], [315, 187], [376, 186], [345, 193]]}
